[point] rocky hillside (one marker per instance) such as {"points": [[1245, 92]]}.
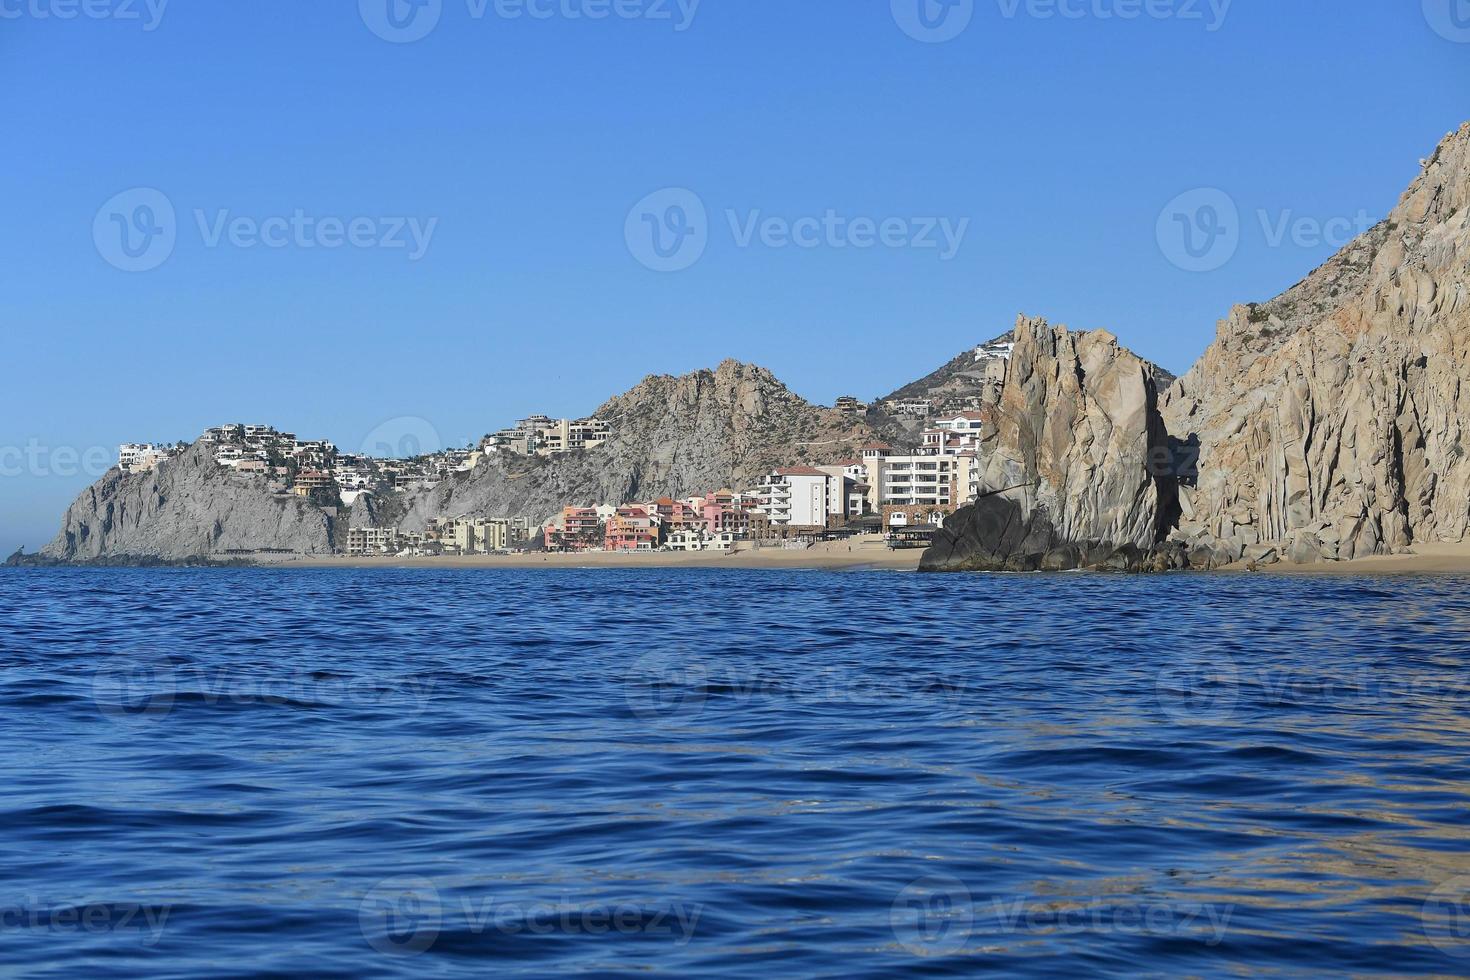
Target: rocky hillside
{"points": [[1331, 421], [1074, 476], [189, 507], [670, 436], [1326, 424], [966, 375]]}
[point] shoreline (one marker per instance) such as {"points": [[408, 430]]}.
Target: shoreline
{"points": [[1427, 559], [1430, 558], [832, 556]]}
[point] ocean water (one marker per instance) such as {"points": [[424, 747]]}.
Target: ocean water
{"points": [[731, 773]]}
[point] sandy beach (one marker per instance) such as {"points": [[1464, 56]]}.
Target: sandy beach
{"points": [[1428, 559], [832, 555]]}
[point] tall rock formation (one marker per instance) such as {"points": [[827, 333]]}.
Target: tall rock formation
{"points": [[671, 436], [188, 507], [1331, 421], [1073, 477]]}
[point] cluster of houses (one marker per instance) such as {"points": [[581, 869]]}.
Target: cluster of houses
{"points": [[454, 536], [882, 491], [316, 469], [540, 435], [143, 457]]}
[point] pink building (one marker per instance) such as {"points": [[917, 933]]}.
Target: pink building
{"points": [[632, 529]]}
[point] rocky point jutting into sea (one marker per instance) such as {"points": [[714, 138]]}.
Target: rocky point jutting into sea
{"points": [[1325, 424]]}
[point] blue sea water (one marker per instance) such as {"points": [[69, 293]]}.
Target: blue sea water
{"points": [[731, 773]]}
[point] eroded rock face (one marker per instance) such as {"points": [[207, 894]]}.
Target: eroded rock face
{"points": [[1079, 470], [189, 507], [1332, 420], [671, 436]]}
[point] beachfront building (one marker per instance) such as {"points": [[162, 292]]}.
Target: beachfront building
{"points": [[697, 539], [371, 541], [911, 482], [632, 529], [574, 529], [847, 489], [795, 496]]}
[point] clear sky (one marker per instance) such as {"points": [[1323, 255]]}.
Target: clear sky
{"points": [[369, 224]]}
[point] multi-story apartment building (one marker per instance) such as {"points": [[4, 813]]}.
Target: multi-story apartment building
{"points": [[847, 488], [795, 496], [632, 529], [574, 529], [371, 540], [920, 481], [697, 539]]}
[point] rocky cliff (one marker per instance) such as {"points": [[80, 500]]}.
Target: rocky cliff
{"points": [[671, 436], [1331, 421], [188, 507], [1076, 473]]}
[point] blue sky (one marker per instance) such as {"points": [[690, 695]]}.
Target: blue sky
{"points": [[520, 145]]}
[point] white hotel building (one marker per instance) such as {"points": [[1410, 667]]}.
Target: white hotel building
{"points": [[796, 496]]}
